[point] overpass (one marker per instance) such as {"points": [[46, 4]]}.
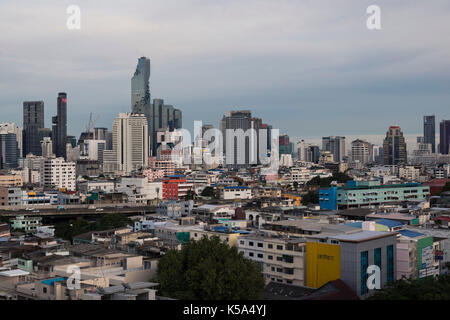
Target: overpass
{"points": [[68, 211]]}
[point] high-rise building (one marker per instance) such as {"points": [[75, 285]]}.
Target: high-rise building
{"points": [[8, 151], [59, 132], [47, 148], [236, 148], [394, 147], [58, 173], [361, 151], [140, 89], [164, 117], [312, 154], [284, 145], [429, 131], [130, 143], [10, 127], [33, 121], [337, 146], [444, 138]]}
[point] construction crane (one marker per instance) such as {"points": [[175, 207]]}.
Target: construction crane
{"points": [[90, 126]]}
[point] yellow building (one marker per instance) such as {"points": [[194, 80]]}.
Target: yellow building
{"points": [[228, 237], [294, 198], [323, 263]]}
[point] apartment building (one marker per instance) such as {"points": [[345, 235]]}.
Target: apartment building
{"points": [[58, 173], [281, 259]]}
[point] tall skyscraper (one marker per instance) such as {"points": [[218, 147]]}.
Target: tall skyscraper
{"points": [[59, 133], [361, 151], [130, 143], [237, 150], [164, 117], [444, 137], [394, 147], [33, 121], [429, 131], [140, 89], [337, 146], [8, 151]]}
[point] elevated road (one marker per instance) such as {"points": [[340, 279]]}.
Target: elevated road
{"points": [[76, 211]]}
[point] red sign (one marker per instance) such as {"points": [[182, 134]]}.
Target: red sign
{"points": [[64, 100]]}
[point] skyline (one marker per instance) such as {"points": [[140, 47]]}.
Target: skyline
{"points": [[280, 62]]}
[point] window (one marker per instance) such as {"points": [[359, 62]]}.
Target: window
{"points": [[279, 269], [250, 254], [44, 289], [260, 244], [279, 247], [364, 263], [250, 243], [390, 263], [260, 255], [270, 246], [279, 259], [377, 257], [270, 257], [241, 242]]}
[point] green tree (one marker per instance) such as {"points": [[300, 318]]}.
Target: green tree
{"points": [[209, 269], [208, 192], [416, 289], [310, 197], [446, 187], [67, 230], [112, 221], [340, 177]]}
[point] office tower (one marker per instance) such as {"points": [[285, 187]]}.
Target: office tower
{"points": [[10, 127], [130, 142], [394, 147], [429, 132], [72, 140], [444, 138], [33, 120], [100, 134], [301, 150], [336, 146], [361, 151], [59, 132], [8, 151], [312, 154], [284, 145], [47, 148], [140, 89], [164, 117], [92, 149], [236, 148]]}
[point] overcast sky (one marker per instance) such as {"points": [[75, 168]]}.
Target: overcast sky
{"points": [[310, 68]]}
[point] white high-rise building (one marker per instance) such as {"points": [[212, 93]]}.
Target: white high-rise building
{"points": [[58, 173], [130, 143], [47, 147]]}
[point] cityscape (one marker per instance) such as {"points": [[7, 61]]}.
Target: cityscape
{"points": [[236, 209]]}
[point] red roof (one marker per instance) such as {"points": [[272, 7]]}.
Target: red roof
{"points": [[436, 182], [442, 218]]}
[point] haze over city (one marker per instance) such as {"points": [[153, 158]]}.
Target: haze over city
{"points": [[311, 67]]}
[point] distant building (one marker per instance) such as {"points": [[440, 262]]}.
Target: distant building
{"points": [[444, 137], [429, 132], [361, 151], [8, 151], [394, 147], [58, 173], [33, 121], [59, 131], [337, 146]]}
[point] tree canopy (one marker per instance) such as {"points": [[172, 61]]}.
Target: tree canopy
{"points": [[340, 177], [416, 289], [68, 229], [208, 269]]}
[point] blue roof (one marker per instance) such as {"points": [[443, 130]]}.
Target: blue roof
{"points": [[51, 282], [176, 176], [410, 234], [355, 224], [235, 187], [389, 223]]}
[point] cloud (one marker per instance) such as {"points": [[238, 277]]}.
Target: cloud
{"points": [[308, 67]]}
